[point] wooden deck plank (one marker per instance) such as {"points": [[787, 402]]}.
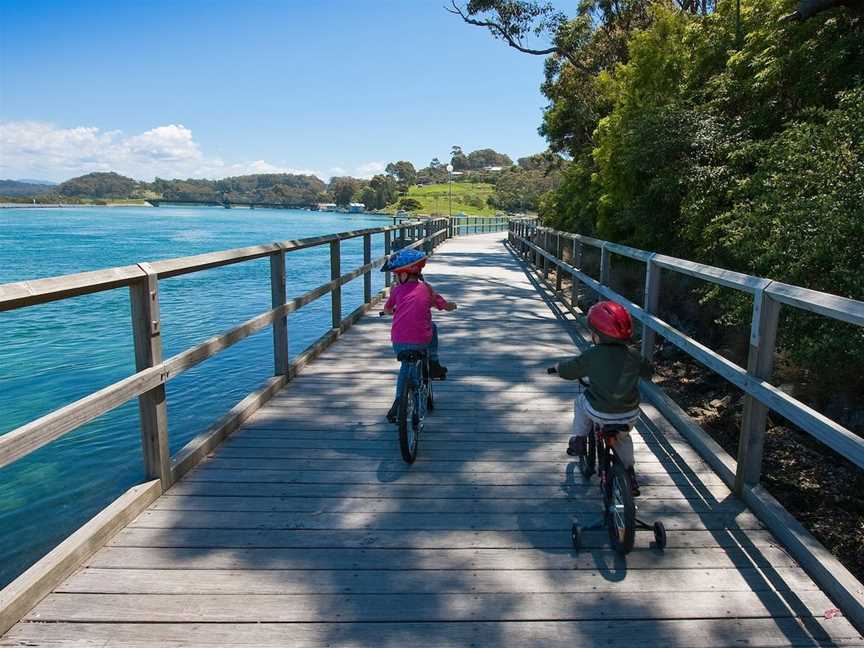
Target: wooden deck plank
{"points": [[347, 504], [207, 556], [306, 529], [396, 491], [281, 581], [558, 539], [365, 608], [659, 633]]}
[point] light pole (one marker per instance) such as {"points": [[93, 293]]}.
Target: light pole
{"points": [[450, 188]]}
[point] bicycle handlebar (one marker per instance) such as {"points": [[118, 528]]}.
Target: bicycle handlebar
{"points": [[551, 370]]}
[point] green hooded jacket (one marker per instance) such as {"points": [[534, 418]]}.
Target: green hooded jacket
{"points": [[613, 370]]}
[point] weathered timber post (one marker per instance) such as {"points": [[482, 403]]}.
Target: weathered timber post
{"points": [[605, 265], [336, 292], [558, 254], [428, 231], [152, 406], [760, 364], [577, 263], [367, 276], [278, 298], [652, 299], [387, 246]]}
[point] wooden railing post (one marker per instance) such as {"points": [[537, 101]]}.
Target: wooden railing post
{"points": [[577, 263], [152, 406], [545, 249], [558, 254], [427, 234], [387, 249], [652, 299], [278, 297], [335, 273], [760, 364], [367, 276], [605, 265]]}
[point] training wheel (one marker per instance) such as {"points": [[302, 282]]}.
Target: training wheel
{"points": [[576, 536], [660, 535]]}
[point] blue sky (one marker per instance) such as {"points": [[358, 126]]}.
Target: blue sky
{"points": [[219, 88]]}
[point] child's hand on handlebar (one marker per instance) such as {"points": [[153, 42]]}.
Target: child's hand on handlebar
{"points": [[451, 306], [552, 370]]}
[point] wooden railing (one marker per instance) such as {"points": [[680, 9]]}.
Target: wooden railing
{"points": [[153, 371], [459, 225], [545, 248]]}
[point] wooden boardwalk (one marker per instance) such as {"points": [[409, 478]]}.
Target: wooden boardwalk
{"points": [[306, 528]]}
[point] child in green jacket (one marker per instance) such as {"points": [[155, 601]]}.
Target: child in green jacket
{"points": [[613, 369]]}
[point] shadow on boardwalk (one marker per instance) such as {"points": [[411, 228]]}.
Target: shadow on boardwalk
{"points": [[306, 529]]}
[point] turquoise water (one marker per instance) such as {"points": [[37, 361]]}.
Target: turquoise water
{"points": [[53, 354]]}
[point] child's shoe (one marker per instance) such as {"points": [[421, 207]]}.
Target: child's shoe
{"points": [[436, 371], [394, 409], [576, 447], [634, 483]]}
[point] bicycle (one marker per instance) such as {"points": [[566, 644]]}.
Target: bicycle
{"points": [[619, 507], [415, 400]]}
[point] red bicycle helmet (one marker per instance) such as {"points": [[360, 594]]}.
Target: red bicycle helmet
{"points": [[611, 320]]}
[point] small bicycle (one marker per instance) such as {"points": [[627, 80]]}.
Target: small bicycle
{"points": [[619, 507], [416, 399]]}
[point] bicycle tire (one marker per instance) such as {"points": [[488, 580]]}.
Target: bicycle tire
{"points": [[622, 509], [408, 430], [427, 379], [589, 463]]}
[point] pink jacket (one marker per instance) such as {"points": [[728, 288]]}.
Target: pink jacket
{"points": [[412, 319]]}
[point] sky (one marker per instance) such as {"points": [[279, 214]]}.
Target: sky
{"points": [[215, 88]]}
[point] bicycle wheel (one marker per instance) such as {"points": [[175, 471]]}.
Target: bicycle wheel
{"points": [[622, 510], [589, 463], [408, 421], [427, 381]]}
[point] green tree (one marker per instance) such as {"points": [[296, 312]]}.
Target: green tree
{"points": [[410, 204], [404, 172], [343, 190]]}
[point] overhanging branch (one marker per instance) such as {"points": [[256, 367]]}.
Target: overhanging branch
{"points": [[502, 33]]}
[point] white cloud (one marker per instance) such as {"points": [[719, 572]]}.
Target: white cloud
{"points": [[370, 169], [41, 150]]}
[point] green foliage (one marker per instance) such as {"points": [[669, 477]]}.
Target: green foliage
{"points": [[26, 189], [745, 154], [482, 158], [518, 189], [382, 191], [796, 216], [343, 189], [469, 197], [99, 185], [410, 204], [404, 172], [271, 188]]}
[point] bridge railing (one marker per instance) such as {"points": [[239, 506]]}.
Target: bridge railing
{"points": [[462, 225], [544, 247], [153, 371]]}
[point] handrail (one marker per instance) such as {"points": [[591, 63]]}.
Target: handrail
{"points": [[153, 372], [768, 296], [40, 291]]}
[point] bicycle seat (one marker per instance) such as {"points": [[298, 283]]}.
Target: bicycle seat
{"points": [[410, 356]]}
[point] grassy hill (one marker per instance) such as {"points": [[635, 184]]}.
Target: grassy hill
{"points": [[468, 197]]}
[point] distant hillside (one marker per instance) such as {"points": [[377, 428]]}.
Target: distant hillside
{"points": [[272, 188], [47, 183], [100, 185], [22, 188], [471, 198]]}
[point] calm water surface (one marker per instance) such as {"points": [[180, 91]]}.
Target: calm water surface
{"points": [[53, 354]]}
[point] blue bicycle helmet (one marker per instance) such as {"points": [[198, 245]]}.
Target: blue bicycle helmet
{"points": [[405, 261]]}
